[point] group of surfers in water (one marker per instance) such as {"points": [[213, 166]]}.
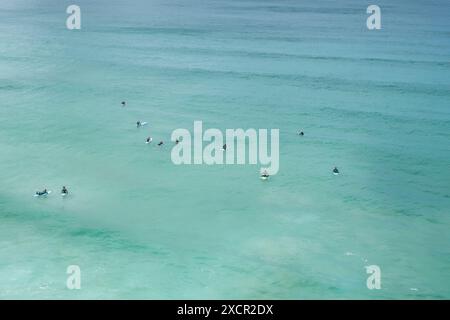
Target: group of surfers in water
{"points": [[264, 173], [45, 192]]}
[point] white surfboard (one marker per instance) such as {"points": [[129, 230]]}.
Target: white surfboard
{"points": [[147, 142], [264, 178], [142, 124]]}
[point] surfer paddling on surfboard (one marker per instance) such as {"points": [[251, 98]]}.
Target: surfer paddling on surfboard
{"points": [[335, 171], [42, 193], [140, 124]]}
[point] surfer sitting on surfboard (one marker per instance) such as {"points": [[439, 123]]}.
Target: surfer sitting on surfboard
{"points": [[64, 190], [335, 170], [264, 174]]}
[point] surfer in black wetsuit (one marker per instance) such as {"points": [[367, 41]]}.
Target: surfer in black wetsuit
{"points": [[149, 139], [160, 143], [265, 174], [335, 170], [177, 141], [138, 124], [64, 190], [123, 103], [224, 147], [300, 133], [41, 193]]}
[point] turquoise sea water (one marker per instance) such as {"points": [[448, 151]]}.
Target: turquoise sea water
{"points": [[374, 103]]}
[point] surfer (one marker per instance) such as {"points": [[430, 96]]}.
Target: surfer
{"points": [[64, 190], [264, 174], [300, 133], [224, 147], [41, 193], [123, 103], [149, 139], [177, 141], [335, 170], [138, 124], [160, 143]]}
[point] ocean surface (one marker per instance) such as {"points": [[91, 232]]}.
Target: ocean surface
{"points": [[376, 104]]}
